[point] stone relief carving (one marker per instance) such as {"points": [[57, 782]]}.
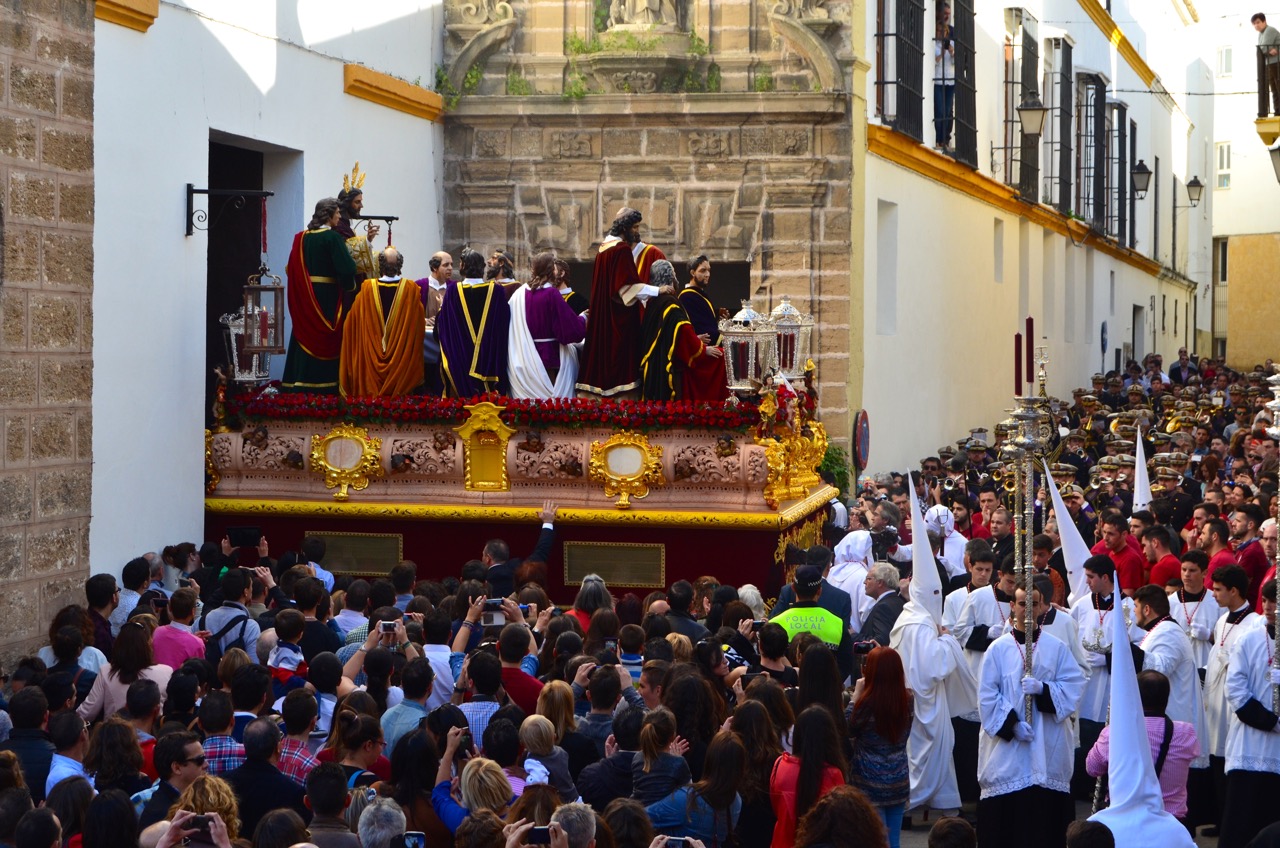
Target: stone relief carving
{"points": [[478, 12], [635, 82], [273, 454], [709, 144], [704, 464], [438, 456], [491, 144], [757, 466], [549, 460], [801, 9], [571, 145], [222, 453]]}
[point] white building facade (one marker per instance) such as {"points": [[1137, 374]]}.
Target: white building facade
{"points": [[282, 94], [961, 244]]}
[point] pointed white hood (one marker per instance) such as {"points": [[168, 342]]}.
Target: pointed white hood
{"points": [[1141, 481], [1074, 549], [1136, 815], [926, 587]]}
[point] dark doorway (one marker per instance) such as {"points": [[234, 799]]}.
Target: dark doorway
{"points": [[234, 243], [730, 281]]}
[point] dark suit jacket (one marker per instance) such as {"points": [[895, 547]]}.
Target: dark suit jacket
{"points": [[881, 619], [261, 788], [35, 753], [502, 576]]}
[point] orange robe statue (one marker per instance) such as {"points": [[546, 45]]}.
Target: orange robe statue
{"points": [[382, 340]]}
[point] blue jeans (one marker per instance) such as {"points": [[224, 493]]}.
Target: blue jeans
{"points": [[944, 107], [892, 818]]}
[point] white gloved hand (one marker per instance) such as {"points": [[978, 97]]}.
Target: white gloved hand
{"points": [[1022, 732], [1097, 660], [1031, 686], [1275, 677], [994, 632], [1201, 631]]}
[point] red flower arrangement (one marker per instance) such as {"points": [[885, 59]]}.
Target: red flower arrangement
{"points": [[573, 413]]}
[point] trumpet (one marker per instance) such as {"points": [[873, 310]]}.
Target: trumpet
{"points": [[949, 484], [1010, 483], [997, 475], [1080, 452]]}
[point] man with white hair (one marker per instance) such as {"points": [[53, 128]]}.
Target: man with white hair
{"points": [[380, 823], [881, 585]]}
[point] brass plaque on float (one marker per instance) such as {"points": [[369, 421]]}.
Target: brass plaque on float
{"points": [[619, 563], [361, 553]]}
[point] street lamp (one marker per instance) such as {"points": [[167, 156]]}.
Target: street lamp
{"points": [[1141, 176], [1195, 188], [1032, 114]]}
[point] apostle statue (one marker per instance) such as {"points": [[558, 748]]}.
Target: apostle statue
{"points": [[675, 364], [619, 284], [320, 272], [543, 338], [382, 339], [352, 199], [433, 289], [693, 297], [577, 302], [472, 330]]}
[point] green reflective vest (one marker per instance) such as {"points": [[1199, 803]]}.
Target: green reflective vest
{"points": [[811, 618]]}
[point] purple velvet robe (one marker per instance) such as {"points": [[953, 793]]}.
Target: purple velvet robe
{"points": [[550, 317], [472, 329]]}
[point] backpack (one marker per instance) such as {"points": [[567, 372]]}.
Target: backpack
{"points": [[213, 650]]}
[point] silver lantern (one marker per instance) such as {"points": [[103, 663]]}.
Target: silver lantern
{"points": [[246, 367], [794, 331], [750, 348]]}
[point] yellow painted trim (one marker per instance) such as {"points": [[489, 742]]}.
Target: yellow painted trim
{"points": [[908, 153], [416, 512], [386, 90], [1123, 46], [134, 14]]}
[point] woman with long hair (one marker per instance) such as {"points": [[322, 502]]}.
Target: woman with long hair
{"points": [[335, 751], [210, 795], [879, 721], [658, 768], [841, 817], [555, 702], [114, 757], [562, 644], [69, 799], [592, 595], [820, 682], [708, 809], [699, 712], [816, 767], [769, 692], [752, 725], [131, 659], [362, 745], [604, 625], [709, 658], [74, 615], [110, 821], [483, 785], [232, 661], [413, 770], [629, 823], [280, 828]]}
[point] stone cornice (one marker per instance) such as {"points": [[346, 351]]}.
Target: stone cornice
{"points": [[624, 109], [906, 152], [134, 14], [386, 90]]}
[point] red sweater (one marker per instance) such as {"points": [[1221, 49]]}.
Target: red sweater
{"points": [[1165, 570], [782, 795], [522, 689]]}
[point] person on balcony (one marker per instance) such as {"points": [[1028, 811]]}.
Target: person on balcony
{"points": [[944, 79], [1269, 44]]}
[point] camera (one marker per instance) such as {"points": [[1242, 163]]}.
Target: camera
{"points": [[863, 647], [758, 623], [882, 541], [464, 746], [387, 627], [611, 645], [492, 604], [538, 836], [184, 583], [200, 823], [414, 839]]}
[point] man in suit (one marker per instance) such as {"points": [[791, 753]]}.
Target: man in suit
{"points": [[813, 612], [259, 785], [832, 599], [502, 566], [882, 584]]}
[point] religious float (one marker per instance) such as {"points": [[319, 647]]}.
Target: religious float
{"points": [[648, 493]]}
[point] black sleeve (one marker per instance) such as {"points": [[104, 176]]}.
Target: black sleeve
{"points": [[844, 654], [1256, 716], [1139, 656], [1108, 666], [1044, 701], [1006, 730], [542, 550], [978, 639], [278, 598]]}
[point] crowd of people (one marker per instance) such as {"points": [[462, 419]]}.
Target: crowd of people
{"points": [[362, 328]]}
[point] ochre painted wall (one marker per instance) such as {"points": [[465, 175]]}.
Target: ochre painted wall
{"points": [[1253, 312]]}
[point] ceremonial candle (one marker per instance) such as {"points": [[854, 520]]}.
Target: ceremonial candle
{"points": [[1017, 364], [262, 322], [1031, 350]]}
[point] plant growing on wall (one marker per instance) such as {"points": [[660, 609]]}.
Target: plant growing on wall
{"points": [[763, 79], [836, 460], [518, 85]]}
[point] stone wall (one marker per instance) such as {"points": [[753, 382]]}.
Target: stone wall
{"points": [[46, 319]]}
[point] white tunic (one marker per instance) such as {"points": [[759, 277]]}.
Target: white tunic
{"points": [[981, 610], [1204, 612], [1095, 638], [1250, 749], [952, 606], [1047, 760], [1167, 649], [1218, 714], [928, 660], [851, 577]]}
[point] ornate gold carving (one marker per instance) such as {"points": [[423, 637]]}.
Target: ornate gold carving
{"points": [[347, 456], [525, 514], [536, 459], [434, 456], [793, 447], [627, 465], [806, 534], [484, 448], [210, 470], [706, 464]]}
